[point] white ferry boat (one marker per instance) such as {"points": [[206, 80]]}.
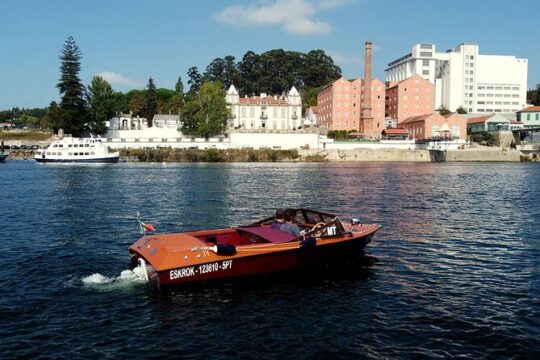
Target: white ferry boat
{"points": [[76, 150]]}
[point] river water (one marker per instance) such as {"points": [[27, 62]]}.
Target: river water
{"points": [[454, 272]]}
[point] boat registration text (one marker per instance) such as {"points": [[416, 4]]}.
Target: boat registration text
{"points": [[200, 269]]}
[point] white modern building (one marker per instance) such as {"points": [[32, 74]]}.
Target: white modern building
{"points": [[465, 78], [264, 111]]}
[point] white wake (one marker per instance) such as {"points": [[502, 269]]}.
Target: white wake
{"points": [[126, 279]]}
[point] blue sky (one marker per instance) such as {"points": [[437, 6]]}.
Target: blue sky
{"points": [[128, 41]]}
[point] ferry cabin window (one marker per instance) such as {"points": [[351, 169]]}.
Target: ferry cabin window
{"points": [[61, 145], [85, 145], [55, 145], [92, 153], [70, 153], [69, 145], [86, 153]]}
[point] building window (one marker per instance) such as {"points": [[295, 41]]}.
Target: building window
{"points": [[425, 62], [425, 72], [425, 54], [455, 131], [435, 130]]}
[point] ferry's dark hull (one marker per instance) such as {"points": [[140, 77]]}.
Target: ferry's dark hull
{"points": [[110, 160]]}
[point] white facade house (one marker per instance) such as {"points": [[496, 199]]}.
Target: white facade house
{"points": [[310, 118], [264, 111], [127, 122], [127, 126], [465, 78]]}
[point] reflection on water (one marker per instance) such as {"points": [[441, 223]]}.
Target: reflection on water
{"points": [[455, 270]]}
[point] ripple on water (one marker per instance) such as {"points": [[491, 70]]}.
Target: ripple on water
{"points": [[456, 272]]}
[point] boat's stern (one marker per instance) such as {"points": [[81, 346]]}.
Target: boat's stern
{"points": [[162, 252]]}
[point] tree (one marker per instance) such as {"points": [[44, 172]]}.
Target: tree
{"points": [[179, 87], [533, 96], [195, 79], [319, 69], [310, 96], [175, 104], [120, 102], [136, 102], [443, 110], [461, 110], [231, 75], [100, 104], [249, 71], [205, 113], [215, 70], [151, 102], [54, 119], [71, 89]]}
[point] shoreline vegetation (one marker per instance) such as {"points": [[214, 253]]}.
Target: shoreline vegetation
{"points": [[26, 135], [217, 155]]}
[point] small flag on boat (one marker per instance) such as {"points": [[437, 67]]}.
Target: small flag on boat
{"points": [[148, 227], [144, 227]]}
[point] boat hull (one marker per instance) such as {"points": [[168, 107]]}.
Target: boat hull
{"points": [[271, 262], [102, 160]]}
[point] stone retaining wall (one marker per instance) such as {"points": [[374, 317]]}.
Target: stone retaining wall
{"points": [[371, 155], [483, 155], [398, 155]]}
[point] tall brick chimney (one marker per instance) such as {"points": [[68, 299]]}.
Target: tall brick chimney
{"points": [[367, 118]]}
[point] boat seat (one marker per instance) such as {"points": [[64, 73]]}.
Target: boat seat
{"points": [[271, 235]]}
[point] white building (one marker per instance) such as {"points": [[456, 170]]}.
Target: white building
{"points": [[265, 112], [463, 77], [127, 122], [127, 126], [310, 118]]}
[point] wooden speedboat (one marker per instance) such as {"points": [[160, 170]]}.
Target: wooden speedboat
{"points": [[170, 259]]}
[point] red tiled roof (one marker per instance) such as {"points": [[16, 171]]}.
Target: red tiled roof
{"points": [[416, 118], [531, 109], [392, 131], [479, 119]]}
